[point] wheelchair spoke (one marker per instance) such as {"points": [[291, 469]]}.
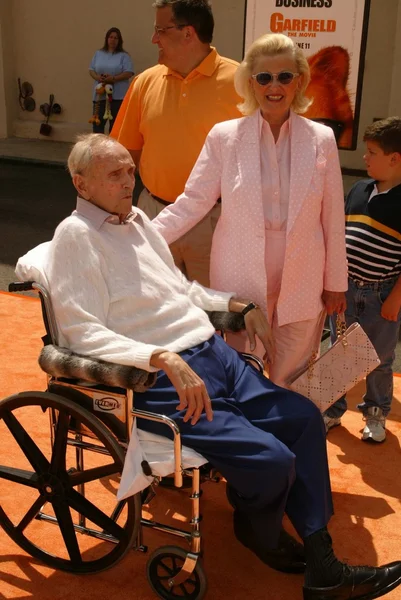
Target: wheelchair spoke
{"points": [[60, 443], [171, 572], [183, 589], [63, 515], [83, 506], [19, 476], [26, 443], [31, 514], [93, 474]]}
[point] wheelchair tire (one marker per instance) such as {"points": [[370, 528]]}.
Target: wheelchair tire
{"points": [[165, 563], [53, 484]]}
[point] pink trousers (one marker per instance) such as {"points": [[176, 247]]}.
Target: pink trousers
{"points": [[295, 342]]}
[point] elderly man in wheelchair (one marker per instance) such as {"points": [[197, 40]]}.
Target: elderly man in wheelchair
{"points": [[119, 302]]}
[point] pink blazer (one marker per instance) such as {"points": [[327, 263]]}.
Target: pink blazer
{"points": [[229, 167]]}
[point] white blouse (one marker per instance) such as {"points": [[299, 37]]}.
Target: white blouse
{"points": [[275, 163]]}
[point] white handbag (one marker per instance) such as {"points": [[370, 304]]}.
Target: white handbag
{"points": [[346, 362]]}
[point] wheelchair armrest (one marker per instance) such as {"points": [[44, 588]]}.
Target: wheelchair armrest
{"points": [[227, 321], [61, 362], [20, 286]]}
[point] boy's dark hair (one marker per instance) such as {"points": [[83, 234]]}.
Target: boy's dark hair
{"points": [[386, 133], [197, 13]]}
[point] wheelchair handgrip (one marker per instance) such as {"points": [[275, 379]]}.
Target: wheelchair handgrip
{"points": [[20, 286]]}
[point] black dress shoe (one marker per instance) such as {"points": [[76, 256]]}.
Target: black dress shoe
{"points": [[359, 583], [289, 557]]}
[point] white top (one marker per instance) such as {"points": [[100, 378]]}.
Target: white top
{"points": [[275, 163], [117, 294], [375, 192]]}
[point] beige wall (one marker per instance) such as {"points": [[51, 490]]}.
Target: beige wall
{"points": [[54, 46], [8, 84], [51, 45], [395, 97]]}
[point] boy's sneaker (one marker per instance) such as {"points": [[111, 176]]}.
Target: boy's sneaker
{"points": [[375, 428], [331, 422]]}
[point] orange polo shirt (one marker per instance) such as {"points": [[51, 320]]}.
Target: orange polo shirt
{"points": [[168, 118]]}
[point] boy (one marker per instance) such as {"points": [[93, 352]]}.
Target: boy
{"points": [[373, 237]]}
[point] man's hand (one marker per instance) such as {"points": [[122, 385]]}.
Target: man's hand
{"points": [[257, 324], [334, 302], [190, 388], [391, 308]]}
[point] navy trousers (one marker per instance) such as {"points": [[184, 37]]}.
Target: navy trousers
{"points": [[268, 443]]}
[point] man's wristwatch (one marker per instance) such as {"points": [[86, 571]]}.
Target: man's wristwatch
{"points": [[249, 307]]}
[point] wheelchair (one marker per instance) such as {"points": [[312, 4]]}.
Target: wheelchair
{"points": [[64, 475]]}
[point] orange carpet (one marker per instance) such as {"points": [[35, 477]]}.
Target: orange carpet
{"points": [[366, 484]]}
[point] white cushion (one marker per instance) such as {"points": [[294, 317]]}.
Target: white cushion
{"points": [[31, 266], [159, 453]]}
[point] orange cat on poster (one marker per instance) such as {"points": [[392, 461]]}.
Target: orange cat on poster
{"points": [[328, 88]]}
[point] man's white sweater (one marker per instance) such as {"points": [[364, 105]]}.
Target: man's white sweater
{"points": [[117, 294]]}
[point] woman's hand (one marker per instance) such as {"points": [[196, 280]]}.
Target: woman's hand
{"points": [[190, 387], [95, 76], [334, 302], [257, 324]]}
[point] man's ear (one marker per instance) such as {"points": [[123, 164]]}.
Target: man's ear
{"points": [[80, 185], [396, 159], [190, 32]]}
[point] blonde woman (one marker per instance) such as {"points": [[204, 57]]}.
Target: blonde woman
{"points": [[280, 237]]}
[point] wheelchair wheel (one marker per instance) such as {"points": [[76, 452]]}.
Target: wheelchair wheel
{"points": [[47, 484], [164, 564]]}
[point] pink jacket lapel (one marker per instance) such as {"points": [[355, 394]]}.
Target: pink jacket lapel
{"points": [[303, 163], [247, 151]]}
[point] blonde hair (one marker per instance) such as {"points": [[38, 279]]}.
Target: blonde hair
{"points": [[271, 44], [88, 146]]}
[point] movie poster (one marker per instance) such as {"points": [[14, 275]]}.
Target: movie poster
{"points": [[332, 33]]}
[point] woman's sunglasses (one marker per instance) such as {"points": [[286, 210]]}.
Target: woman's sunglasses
{"points": [[285, 77]]}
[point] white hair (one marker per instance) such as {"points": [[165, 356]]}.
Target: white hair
{"points": [[271, 44], [87, 147]]}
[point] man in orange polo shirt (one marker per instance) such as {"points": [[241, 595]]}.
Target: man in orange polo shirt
{"points": [[168, 112]]}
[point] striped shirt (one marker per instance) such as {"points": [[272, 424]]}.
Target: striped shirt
{"points": [[373, 232]]}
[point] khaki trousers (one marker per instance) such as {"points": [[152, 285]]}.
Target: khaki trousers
{"points": [[191, 252]]}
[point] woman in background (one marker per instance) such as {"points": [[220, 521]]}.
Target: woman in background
{"points": [[111, 65]]}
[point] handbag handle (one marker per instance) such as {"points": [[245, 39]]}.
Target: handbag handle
{"points": [[341, 327], [316, 345]]}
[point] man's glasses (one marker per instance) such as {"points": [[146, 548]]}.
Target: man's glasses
{"points": [[284, 77], [161, 30]]}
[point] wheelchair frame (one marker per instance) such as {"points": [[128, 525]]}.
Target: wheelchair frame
{"points": [[63, 395]]}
